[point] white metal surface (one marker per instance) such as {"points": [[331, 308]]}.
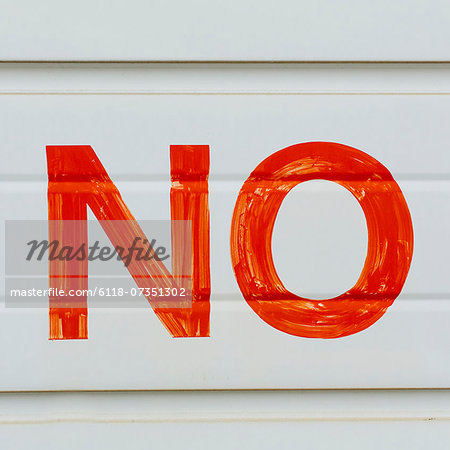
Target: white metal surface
{"points": [[131, 114], [244, 30], [398, 113], [224, 420]]}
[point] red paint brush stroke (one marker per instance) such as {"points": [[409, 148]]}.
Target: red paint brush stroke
{"points": [[68, 317], [77, 179], [390, 240]]}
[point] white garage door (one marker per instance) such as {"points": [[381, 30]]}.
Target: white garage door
{"points": [[367, 85]]}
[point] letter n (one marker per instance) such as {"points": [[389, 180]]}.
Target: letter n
{"points": [[77, 179]]}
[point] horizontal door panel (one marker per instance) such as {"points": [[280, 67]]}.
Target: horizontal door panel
{"points": [[243, 30], [132, 115]]}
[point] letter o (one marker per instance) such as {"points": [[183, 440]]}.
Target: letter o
{"points": [[389, 250]]}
